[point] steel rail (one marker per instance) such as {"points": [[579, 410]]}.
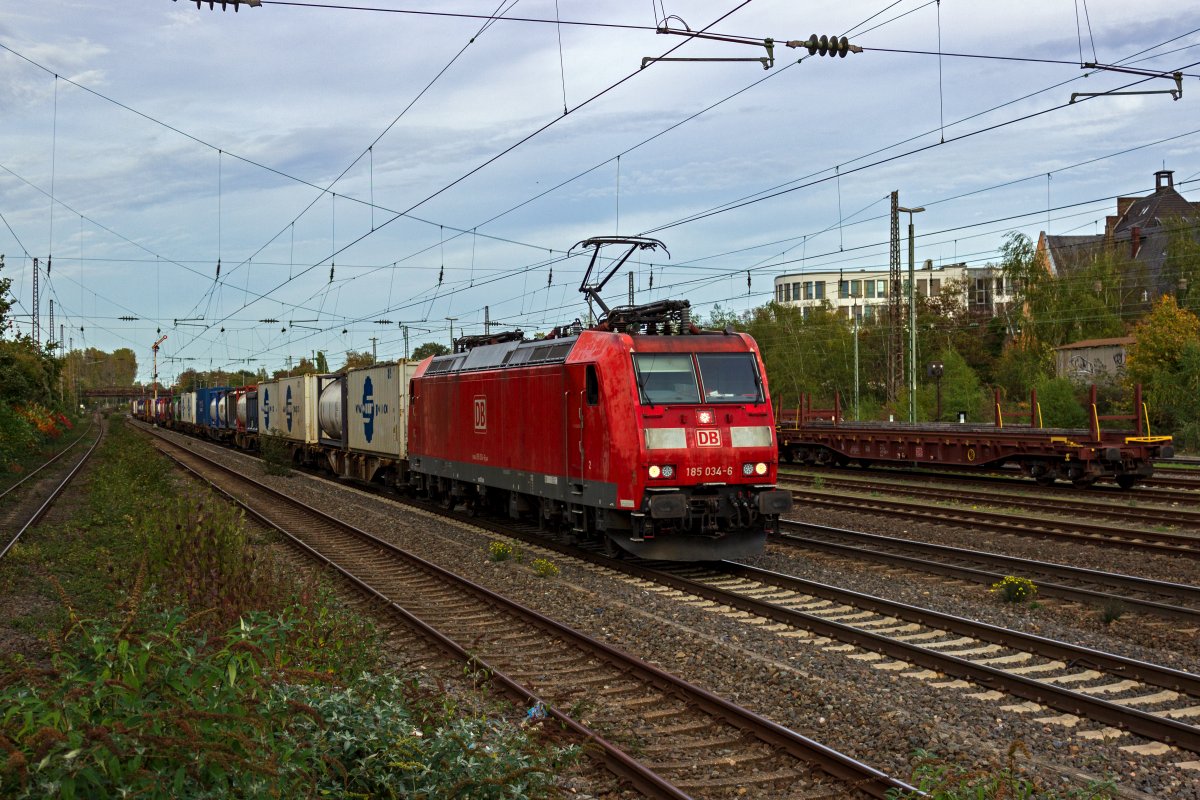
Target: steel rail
{"points": [[1122, 717], [1118, 716], [616, 760], [1144, 490], [1070, 530], [838, 765], [1010, 565], [1053, 504], [60, 454], [54, 495]]}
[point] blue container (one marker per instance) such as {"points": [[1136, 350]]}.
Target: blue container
{"points": [[206, 405]]}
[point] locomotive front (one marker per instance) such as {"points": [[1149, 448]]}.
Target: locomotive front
{"points": [[706, 462]]}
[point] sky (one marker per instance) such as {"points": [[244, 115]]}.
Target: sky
{"points": [[363, 173]]}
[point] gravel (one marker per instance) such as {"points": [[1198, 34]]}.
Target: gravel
{"points": [[816, 687]]}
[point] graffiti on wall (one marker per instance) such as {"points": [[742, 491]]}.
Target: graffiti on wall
{"points": [[1096, 364]]}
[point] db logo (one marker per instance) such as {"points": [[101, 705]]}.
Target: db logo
{"points": [[708, 438], [480, 413]]}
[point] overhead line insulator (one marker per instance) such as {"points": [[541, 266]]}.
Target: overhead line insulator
{"points": [[826, 45], [226, 3]]}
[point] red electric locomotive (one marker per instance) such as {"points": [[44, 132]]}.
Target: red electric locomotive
{"points": [[643, 432]]}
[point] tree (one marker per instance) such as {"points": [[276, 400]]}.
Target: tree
{"points": [[1024, 363], [961, 391], [429, 349], [1163, 359], [322, 364], [1181, 267], [1087, 301], [5, 303], [28, 373], [354, 360]]}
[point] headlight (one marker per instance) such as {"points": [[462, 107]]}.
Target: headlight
{"points": [[760, 468], [668, 471], [747, 469], [655, 471]]}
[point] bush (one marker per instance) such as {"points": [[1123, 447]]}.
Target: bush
{"points": [[1015, 590], [544, 568], [276, 455], [158, 712], [499, 551], [1060, 405], [18, 438]]}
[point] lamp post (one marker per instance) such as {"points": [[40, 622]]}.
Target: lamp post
{"points": [[912, 316], [451, 320]]}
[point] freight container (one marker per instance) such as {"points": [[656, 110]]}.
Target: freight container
{"points": [[187, 408], [288, 408], [331, 410], [246, 413], [376, 408], [206, 405]]}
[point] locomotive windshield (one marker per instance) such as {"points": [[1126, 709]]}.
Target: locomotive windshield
{"points": [[729, 378], [666, 378], [671, 378]]}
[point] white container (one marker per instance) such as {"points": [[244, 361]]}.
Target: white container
{"points": [[187, 408], [377, 408], [288, 408]]}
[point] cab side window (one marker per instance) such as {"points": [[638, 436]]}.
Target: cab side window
{"points": [[592, 385]]}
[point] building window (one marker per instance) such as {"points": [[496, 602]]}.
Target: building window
{"points": [[922, 288], [820, 290], [796, 291], [843, 290], [935, 285], [981, 289], [787, 293], [881, 288]]}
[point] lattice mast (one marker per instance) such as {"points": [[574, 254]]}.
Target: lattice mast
{"points": [[895, 340], [37, 316]]}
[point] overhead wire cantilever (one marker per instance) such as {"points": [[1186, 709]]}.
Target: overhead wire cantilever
{"points": [[767, 61], [1175, 93]]}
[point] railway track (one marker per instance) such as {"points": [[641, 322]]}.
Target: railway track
{"points": [[692, 743], [994, 664], [1089, 587], [1185, 517], [1166, 489], [32, 518], [1073, 530]]}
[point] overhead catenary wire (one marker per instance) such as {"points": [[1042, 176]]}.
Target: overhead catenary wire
{"points": [[725, 275], [340, 265]]}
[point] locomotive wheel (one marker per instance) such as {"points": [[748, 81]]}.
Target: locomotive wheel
{"points": [[1084, 482], [1126, 481], [1045, 480]]}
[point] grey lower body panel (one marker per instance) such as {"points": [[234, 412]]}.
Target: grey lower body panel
{"points": [[596, 494]]}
